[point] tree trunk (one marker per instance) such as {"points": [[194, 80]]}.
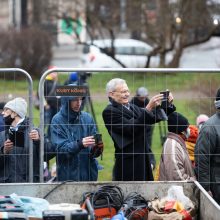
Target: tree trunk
{"points": [[24, 14], [162, 60], [37, 9], [176, 59]]}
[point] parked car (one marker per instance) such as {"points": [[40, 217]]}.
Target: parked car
{"points": [[132, 53]]}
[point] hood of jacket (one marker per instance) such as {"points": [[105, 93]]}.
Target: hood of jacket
{"points": [[66, 110]]}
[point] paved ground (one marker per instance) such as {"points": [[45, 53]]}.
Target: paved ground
{"points": [[67, 56], [206, 55]]}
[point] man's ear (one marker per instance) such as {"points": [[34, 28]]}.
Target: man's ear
{"points": [[110, 94]]}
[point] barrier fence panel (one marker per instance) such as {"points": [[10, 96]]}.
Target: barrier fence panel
{"points": [[14, 75], [194, 93]]}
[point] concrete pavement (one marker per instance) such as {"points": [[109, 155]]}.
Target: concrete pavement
{"points": [[204, 55], [67, 56]]}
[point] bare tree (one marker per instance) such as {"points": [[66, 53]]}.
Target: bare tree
{"points": [[179, 25], [169, 26]]}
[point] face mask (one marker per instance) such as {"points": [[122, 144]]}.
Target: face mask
{"points": [[187, 133], [8, 120]]}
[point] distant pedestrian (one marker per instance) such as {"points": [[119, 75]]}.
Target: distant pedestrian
{"points": [[194, 133], [141, 99], [72, 79], [200, 120], [191, 142], [52, 102]]}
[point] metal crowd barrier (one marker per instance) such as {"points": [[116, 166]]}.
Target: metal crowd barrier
{"points": [[30, 110], [98, 70]]}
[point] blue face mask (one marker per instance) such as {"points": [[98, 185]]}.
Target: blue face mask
{"points": [[8, 120]]}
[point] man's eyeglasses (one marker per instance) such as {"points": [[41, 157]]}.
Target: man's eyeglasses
{"points": [[122, 92]]}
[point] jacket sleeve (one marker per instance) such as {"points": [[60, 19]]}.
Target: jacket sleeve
{"points": [[205, 147], [171, 108], [115, 121], [61, 142]]}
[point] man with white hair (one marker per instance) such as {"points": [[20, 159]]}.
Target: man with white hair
{"points": [[126, 124], [14, 148]]}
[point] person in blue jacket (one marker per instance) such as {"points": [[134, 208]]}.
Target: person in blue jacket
{"points": [[72, 138]]}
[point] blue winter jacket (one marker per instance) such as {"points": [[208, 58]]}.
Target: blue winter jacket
{"points": [[68, 128]]}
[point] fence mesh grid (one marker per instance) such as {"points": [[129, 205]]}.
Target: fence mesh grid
{"points": [[194, 94]]}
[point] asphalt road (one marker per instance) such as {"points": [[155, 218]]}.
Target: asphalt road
{"points": [[206, 55], [67, 56]]}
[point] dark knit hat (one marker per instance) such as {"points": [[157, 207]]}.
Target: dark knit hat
{"points": [[177, 123], [217, 95]]}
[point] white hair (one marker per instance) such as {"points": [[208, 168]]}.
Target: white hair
{"points": [[113, 83]]}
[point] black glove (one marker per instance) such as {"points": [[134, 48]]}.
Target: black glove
{"points": [[97, 150]]}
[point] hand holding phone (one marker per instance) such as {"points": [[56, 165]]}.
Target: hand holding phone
{"points": [[98, 138], [165, 95], [97, 150]]}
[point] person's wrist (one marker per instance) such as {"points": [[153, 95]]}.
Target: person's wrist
{"points": [[80, 143], [149, 107], [4, 150]]}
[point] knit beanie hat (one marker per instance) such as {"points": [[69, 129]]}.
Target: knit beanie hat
{"points": [[73, 77], [18, 105], [201, 119], [177, 123], [142, 92], [217, 99]]}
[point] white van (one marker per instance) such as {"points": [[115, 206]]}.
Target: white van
{"points": [[132, 53]]}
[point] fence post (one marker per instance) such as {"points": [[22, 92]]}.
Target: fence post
{"points": [[30, 99]]}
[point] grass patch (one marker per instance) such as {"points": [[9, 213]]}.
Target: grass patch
{"points": [[108, 156], [153, 81]]}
